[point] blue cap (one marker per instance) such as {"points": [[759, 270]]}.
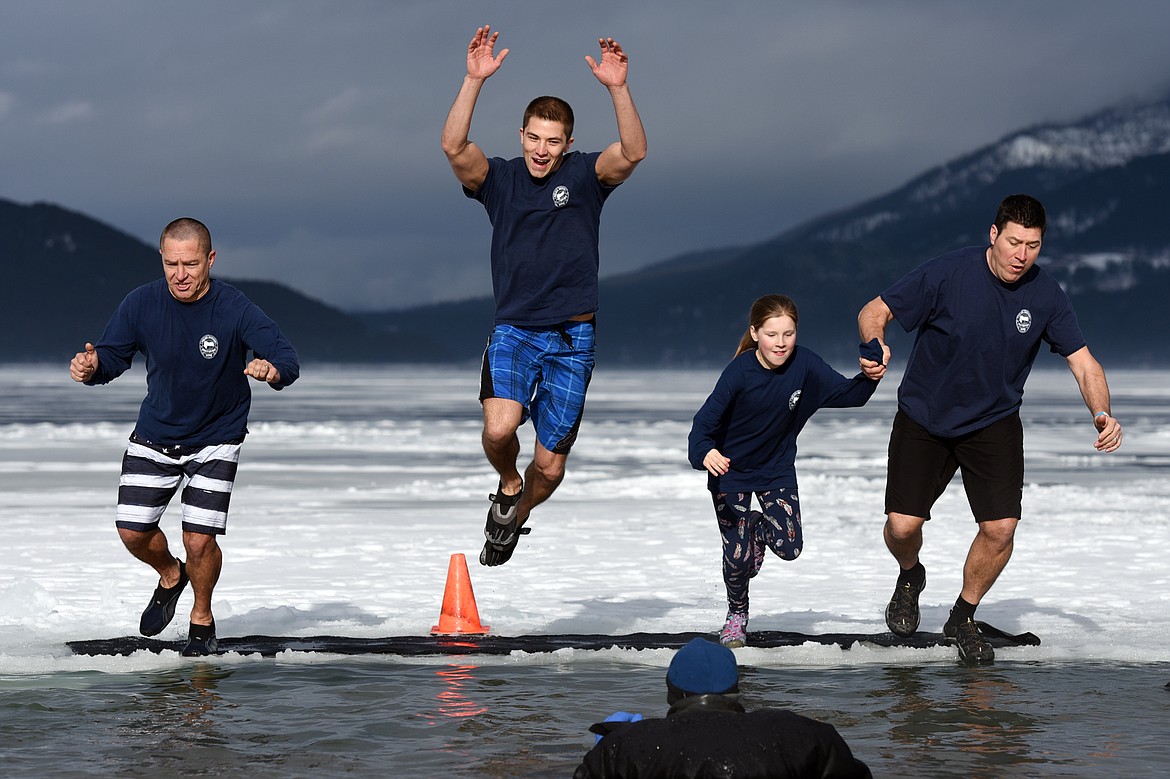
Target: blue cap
{"points": [[703, 667]]}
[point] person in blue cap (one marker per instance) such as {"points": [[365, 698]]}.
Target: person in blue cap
{"points": [[707, 732]]}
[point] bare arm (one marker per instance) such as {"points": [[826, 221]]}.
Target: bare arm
{"points": [[618, 160], [871, 323], [1090, 378], [468, 162]]}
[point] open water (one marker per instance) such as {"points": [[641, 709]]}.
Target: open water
{"points": [[305, 715], [360, 717]]}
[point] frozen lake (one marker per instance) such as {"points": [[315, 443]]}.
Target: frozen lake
{"points": [[357, 484]]}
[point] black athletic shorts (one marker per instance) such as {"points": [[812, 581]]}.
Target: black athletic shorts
{"points": [[921, 465]]}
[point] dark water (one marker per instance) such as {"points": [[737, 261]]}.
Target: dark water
{"points": [[381, 718]]}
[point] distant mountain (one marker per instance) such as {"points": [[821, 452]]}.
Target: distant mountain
{"points": [[66, 272], [1104, 181]]}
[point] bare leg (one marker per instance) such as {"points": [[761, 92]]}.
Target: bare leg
{"points": [[903, 535], [151, 547], [501, 419], [204, 563], [987, 557], [541, 479]]}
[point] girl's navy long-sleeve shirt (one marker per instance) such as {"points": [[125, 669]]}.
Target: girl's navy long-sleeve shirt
{"points": [[196, 390], [754, 415]]}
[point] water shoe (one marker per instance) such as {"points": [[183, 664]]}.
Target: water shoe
{"points": [[161, 609]]}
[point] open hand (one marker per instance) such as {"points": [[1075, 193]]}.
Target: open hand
{"points": [[614, 65], [482, 60]]}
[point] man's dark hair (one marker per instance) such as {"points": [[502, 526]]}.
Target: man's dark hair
{"points": [[1024, 210], [184, 229], [551, 109]]}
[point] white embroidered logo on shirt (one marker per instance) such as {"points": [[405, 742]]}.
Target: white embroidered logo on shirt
{"points": [[1024, 320], [561, 196], [793, 400], [208, 346]]}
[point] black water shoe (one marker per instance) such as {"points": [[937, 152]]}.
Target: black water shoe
{"points": [[502, 529], [902, 615], [201, 641], [161, 609], [974, 649]]}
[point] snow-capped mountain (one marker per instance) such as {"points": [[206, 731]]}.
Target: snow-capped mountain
{"points": [[1105, 181]]}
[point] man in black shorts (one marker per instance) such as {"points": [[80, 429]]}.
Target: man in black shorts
{"points": [[980, 314]]}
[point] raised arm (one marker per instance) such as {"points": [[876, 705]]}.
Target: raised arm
{"points": [[1090, 378], [618, 160], [467, 160], [871, 323]]}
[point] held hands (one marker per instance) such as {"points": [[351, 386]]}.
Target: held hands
{"points": [[84, 364], [1108, 433], [875, 356], [262, 370], [614, 65], [872, 370], [481, 59], [715, 463]]}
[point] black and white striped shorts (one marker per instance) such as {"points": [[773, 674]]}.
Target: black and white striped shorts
{"points": [[151, 474]]}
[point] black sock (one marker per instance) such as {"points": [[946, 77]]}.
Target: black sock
{"points": [[962, 611], [915, 575], [201, 632]]}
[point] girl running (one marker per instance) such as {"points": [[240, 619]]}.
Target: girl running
{"points": [[744, 436]]}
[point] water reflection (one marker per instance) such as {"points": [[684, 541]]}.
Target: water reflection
{"points": [[453, 701], [974, 717], [181, 702]]}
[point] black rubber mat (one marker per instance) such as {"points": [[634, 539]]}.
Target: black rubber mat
{"points": [[410, 646]]}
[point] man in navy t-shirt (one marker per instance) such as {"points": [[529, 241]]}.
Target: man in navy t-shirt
{"points": [[979, 316], [195, 333], [545, 210]]}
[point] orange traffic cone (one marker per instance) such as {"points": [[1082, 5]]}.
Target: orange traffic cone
{"points": [[459, 615]]}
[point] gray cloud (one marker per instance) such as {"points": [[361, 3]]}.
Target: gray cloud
{"points": [[306, 134]]}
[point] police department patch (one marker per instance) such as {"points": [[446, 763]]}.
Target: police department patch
{"points": [[561, 196], [208, 346], [1024, 320]]}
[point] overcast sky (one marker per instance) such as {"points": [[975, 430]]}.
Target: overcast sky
{"points": [[306, 134]]}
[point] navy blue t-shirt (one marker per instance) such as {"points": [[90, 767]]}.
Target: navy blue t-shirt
{"points": [[976, 340], [755, 413], [196, 390], [544, 238]]}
